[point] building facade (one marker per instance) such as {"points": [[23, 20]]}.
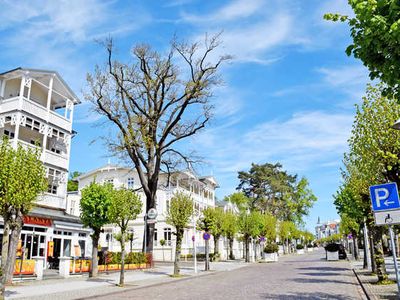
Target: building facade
{"points": [[326, 229], [36, 110], [201, 189]]}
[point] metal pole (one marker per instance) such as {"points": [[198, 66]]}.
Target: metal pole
{"points": [[145, 233], [367, 252], [396, 267], [194, 245]]}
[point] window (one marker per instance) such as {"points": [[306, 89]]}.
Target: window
{"points": [[72, 208], [9, 134], [131, 183], [52, 189], [55, 150], [53, 177], [109, 180], [155, 236], [167, 236]]}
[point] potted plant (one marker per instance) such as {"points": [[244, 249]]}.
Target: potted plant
{"points": [[271, 252], [310, 248], [332, 251], [300, 249]]}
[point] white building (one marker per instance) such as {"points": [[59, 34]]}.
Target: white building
{"points": [[326, 229], [36, 110], [202, 190]]}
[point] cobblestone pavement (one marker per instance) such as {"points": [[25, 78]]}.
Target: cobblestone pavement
{"points": [[307, 276]]}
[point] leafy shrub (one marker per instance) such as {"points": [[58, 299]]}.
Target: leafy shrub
{"points": [[115, 258], [309, 246], [271, 248], [299, 246], [332, 247]]}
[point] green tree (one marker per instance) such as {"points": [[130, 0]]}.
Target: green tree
{"points": [[180, 211], [212, 222], [269, 226], [95, 203], [240, 200], [125, 206], [375, 29], [285, 233], [22, 180], [373, 158], [271, 189], [229, 229], [154, 102], [72, 185], [250, 225]]}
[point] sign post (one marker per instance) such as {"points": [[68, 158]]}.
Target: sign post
{"points": [[206, 237], [386, 208]]}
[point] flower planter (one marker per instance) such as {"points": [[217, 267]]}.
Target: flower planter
{"points": [[300, 251], [332, 255], [101, 268], [310, 249], [271, 257], [28, 267], [112, 267]]}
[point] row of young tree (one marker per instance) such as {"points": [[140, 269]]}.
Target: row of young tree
{"points": [[372, 158]]}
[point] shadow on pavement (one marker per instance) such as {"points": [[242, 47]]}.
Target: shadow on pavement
{"points": [[322, 269], [311, 280], [307, 296], [324, 274]]}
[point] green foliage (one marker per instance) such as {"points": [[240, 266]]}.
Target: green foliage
{"points": [[229, 226], [130, 258], [22, 177], [250, 224], [162, 243], [286, 230], [299, 246], [95, 202], [212, 221], [239, 199], [348, 225], [125, 205], [269, 227], [375, 29], [271, 189], [180, 211], [271, 248], [72, 185], [308, 237]]}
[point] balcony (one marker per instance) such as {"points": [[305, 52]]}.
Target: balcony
{"points": [[35, 109], [52, 201], [55, 159]]}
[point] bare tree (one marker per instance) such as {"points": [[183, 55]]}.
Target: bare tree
{"points": [[155, 102]]}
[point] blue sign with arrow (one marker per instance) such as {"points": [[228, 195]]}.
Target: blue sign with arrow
{"points": [[384, 197]]}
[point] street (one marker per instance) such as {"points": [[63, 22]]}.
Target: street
{"points": [[307, 276]]}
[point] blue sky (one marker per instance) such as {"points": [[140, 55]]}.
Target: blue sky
{"points": [[288, 95]]}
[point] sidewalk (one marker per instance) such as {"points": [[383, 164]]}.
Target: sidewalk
{"points": [[80, 286], [368, 281]]}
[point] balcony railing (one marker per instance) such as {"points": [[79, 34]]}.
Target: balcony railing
{"points": [[52, 201], [55, 159], [35, 109]]}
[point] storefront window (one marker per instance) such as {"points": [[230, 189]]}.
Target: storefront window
{"points": [[67, 248]]}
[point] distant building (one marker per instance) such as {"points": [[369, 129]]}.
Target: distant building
{"points": [[326, 229], [200, 188]]}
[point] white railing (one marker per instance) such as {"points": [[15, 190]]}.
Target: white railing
{"points": [[55, 159], [52, 201], [37, 110]]}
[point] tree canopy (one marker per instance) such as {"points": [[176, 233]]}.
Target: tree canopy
{"points": [[375, 29]]}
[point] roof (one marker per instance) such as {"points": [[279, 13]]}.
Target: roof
{"points": [[107, 167], [54, 214], [50, 72]]}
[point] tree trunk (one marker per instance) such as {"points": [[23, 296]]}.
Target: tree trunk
{"points": [[149, 228], [231, 249], [216, 245], [4, 255], [255, 249], [372, 250], [94, 270], [179, 235], [12, 253], [247, 242], [207, 263], [379, 257], [355, 247], [122, 273]]}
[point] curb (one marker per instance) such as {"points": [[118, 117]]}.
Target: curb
{"points": [[367, 292]]}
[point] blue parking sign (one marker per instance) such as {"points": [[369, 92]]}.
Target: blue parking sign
{"points": [[384, 196]]}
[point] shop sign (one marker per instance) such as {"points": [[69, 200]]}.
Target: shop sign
{"points": [[37, 221]]}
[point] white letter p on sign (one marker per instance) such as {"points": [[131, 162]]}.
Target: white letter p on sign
{"points": [[384, 194]]}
